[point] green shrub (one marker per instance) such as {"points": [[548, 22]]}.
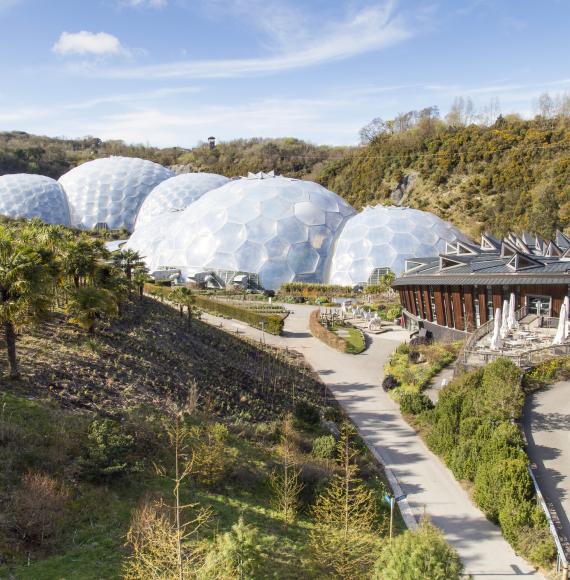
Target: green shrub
{"points": [[307, 413], [324, 447], [422, 553], [415, 403], [107, 452]]}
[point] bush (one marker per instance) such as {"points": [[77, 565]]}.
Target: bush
{"points": [[415, 403], [38, 507], [327, 336], [422, 553], [390, 382], [420, 341], [307, 413], [324, 447], [272, 323], [107, 451]]}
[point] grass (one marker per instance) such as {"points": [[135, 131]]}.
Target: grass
{"points": [[356, 341], [127, 371]]}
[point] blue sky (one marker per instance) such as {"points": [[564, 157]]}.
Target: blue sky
{"points": [[173, 72]]}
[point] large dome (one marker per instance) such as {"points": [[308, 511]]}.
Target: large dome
{"points": [[177, 193], [385, 237], [279, 228], [24, 195], [110, 190]]}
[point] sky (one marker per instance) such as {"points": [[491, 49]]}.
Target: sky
{"points": [[174, 72]]}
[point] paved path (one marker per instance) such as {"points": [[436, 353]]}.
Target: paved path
{"points": [[547, 429], [431, 488], [435, 385]]}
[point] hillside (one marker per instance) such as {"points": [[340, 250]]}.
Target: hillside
{"points": [[511, 175], [85, 428]]}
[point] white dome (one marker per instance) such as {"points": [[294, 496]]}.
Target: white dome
{"points": [[110, 190], [279, 228], [177, 193], [385, 237], [24, 195]]}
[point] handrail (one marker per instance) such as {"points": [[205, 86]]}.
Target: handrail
{"points": [[553, 531]]}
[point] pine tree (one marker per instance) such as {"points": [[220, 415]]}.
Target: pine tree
{"points": [[346, 513], [284, 480]]}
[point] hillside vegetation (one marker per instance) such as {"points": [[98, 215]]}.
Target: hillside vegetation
{"points": [[482, 173]]}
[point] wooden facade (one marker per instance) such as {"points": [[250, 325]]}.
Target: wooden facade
{"points": [[465, 308]]}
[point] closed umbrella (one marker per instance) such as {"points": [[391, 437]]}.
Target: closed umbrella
{"points": [[496, 342], [505, 320], [562, 330], [512, 320]]}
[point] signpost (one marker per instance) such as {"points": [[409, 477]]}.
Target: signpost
{"points": [[391, 501]]}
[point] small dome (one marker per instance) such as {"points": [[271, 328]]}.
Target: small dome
{"points": [[385, 237], [177, 193], [279, 228], [110, 190], [24, 195]]}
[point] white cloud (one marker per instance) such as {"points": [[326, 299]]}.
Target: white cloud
{"points": [[156, 4], [88, 43], [369, 29]]}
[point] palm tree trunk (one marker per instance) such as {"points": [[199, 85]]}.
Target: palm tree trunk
{"points": [[10, 333]]}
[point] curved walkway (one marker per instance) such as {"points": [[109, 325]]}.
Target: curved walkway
{"points": [[430, 487], [547, 430]]}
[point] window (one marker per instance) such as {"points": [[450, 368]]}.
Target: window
{"points": [[432, 303], [462, 297], [451, 323], [423, 311], [490, 309], [415, 292]]}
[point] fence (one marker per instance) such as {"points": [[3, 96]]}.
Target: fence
{"points": [[561, 561]]}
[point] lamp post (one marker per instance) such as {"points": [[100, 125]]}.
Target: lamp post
{"points": [[212, 142]]}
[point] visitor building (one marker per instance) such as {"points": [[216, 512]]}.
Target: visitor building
{"points": [[458, 291]]}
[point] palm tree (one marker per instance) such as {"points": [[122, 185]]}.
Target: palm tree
{"points": [[127, 261], [81, 257], [89, 304], [25, 289], [183, 297], [140, 277]]}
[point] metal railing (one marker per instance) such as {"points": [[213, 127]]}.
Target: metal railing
{"points": [[561, 560]]}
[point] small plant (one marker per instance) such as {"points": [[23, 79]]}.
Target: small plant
{"points": [[415, 403], [107, 451], [307, 413], [324, 447], [390, 382]]}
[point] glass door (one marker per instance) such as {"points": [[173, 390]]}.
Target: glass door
{"points": [[539, 305]]}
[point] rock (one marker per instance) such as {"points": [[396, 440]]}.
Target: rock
{"points": [[405, 185]]}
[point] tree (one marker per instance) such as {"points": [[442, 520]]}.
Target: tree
{"points": [[211, 456], [371, 131], [161, 536], [422, 553], [346, 513], [140, 277], [80, 259], [88, 304], [24, 289], [127, 261], [284, 480], [234, 554], [183, 297]]}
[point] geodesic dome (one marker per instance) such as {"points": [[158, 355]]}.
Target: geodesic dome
{"points": [[279, 228], [177, 193], [25, 195], [385, 237], [110, 190]]}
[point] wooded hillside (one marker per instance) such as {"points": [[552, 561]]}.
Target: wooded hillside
{"points": [[509, 174]]}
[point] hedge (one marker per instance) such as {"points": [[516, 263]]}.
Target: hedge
{"points": [[273, 323], [472, 428], [322, 333]]}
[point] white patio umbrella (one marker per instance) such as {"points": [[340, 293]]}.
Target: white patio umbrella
{"points": [[567, 304], [512, 321], [496, 342], [505, 319], [562, 330]]}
